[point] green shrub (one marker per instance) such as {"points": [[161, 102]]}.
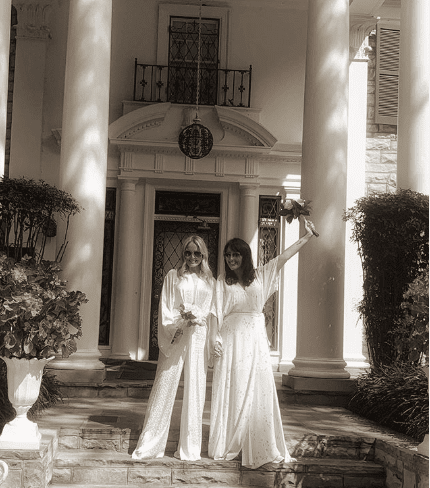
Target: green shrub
{"points": [[50, 394], [411, 334], [28, 213], [394, 396], [392, 233]]}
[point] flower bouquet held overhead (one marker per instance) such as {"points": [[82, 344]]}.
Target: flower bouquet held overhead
{"points": [[295, 209]]}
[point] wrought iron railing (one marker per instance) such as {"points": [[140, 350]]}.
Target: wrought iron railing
{"points": [[178, 84]]}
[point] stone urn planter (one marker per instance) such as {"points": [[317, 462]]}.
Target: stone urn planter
{"points": [[24, 377], [4, 470]]}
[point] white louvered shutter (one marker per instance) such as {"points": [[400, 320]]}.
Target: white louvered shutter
{"points": [[387, 74]]}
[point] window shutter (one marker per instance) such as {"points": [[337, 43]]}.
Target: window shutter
{"points": [[387, 74]]}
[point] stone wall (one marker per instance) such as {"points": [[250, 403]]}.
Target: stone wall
{"points": [[381, 139], [404, 468]]}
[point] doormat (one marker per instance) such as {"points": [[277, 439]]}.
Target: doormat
{"points": [[134, 370]]}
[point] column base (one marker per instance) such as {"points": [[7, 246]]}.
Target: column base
{"points": [[80, 367], [319, 368], [338, 385]]}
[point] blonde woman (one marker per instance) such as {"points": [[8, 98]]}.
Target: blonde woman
{"points": [[184, 311]]}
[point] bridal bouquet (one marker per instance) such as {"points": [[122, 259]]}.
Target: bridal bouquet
{"points": [[187, 316], [292, 209]]}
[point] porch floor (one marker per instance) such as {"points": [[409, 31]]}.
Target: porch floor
{"points": [[300, 421]]}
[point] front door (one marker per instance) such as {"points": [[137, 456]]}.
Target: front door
{"points": [[178, 216]]}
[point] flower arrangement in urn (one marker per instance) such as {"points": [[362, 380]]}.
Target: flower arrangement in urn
{"points": [[38, 315]]}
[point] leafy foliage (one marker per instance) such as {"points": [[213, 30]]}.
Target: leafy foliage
{"points": [[28, 210], [392, 233], [50, 394], [38, 316], [411, 334], [394, 396]]}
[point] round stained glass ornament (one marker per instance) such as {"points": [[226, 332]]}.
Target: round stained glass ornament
{"points": [[196, 140]]}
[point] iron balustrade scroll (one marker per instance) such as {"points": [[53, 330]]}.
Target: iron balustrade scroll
{"points": [[178, 84]]}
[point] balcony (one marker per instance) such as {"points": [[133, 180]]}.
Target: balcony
{"points": [[178, 84]]}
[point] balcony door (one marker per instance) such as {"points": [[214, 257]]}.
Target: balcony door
{"points": [[183, 60]]}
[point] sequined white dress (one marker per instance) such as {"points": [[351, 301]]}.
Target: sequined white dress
{"points": [[188, 353], [245, 414]]}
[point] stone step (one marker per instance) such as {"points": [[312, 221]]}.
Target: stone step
{"points": [[101, 468], [157, 485], [302, 446]]}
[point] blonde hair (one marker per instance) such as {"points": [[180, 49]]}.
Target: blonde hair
{"points": [[205, 272]]}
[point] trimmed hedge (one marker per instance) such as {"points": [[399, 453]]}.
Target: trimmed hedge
{"points": [[392, 233]]}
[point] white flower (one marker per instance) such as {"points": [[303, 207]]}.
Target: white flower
{"points": [[288, 204], [18, 274], [300, 202]]}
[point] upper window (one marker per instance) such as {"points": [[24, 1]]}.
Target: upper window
{"points": [[191, 41]]}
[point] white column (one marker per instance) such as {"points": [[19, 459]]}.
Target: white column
{"points": [[248, 230], [288, 300], [324, 169], [5, 9], [353, 324], [84, 167], [29, 83], [413, 153], [125, 323]]}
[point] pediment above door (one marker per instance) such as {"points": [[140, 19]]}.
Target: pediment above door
{"points": [[157, 126]]}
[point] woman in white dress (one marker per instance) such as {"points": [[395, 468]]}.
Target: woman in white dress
{"points": [[184, 311], [245, 414]]}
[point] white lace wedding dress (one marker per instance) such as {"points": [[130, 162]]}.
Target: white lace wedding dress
{"points": [[188, 353], [245, 413]]}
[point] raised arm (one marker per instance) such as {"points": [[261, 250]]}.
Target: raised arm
{"points": [[295, 248]]}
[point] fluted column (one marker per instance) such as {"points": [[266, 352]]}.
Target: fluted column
{"points": [[84, 166], [325, 139], [125, 323], [32, 35], [248, 230], [5, 9], [413, 153]]}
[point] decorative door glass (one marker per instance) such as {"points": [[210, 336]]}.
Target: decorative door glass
{"points": [[268, 248]]}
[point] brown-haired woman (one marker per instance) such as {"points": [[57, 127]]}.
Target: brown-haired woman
{"points": [[245, 414]]}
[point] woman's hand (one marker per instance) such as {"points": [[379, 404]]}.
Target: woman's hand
{"points": [[310, 227], [178, 334], [217, 350]]}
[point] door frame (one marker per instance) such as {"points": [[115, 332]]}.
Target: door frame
{"points": [[150, 188]]}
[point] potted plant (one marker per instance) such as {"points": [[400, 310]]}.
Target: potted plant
{"points": [[38, 315]]}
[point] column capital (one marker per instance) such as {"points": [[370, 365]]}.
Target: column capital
{"points": [[127, 183], [360, 26], [248, 188], [33, 18]]}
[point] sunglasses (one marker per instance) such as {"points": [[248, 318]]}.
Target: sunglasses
{"points": [[196, 254], [234, 255]]}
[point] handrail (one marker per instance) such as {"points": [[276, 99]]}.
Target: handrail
{"points": [[178, 84]]}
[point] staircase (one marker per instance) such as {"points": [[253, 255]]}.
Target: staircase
{"points": [[97, 458], [88, 443], [100, 456]]}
